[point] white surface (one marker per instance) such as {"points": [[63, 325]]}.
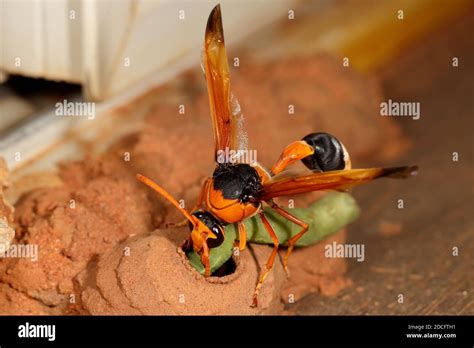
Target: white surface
{"points": [[88, 41]]}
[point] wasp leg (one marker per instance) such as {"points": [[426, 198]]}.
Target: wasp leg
{"points": [[295, 151], [205, 260], [196, 206], [270, 260], [242, 236], [292, 241]]}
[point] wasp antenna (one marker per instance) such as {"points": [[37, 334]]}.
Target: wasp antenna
{"points": [[150, 183], [400, 172], [214, 29]]}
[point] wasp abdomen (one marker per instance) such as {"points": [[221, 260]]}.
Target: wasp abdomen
{"points": [[328, 152]]}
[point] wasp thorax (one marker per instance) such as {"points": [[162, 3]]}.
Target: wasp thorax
{"points": [[328, 152], [214, 226]]}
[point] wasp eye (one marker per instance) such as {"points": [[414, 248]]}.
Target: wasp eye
{"points": [[213, 243], [328, 152]]}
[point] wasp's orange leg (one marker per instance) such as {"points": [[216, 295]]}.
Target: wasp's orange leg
{"points": [[205, 259], [292, 241], [196, 206], [270, 260], [295, 151], [242, 235]]}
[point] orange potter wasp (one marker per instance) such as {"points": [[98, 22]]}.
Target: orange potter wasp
{"points": [[237, 190]]}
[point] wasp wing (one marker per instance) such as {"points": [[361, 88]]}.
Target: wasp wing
{"points": [[227, 119], [333, 180]]}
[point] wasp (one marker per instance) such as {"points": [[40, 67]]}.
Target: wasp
{"points": [[237, 190]]}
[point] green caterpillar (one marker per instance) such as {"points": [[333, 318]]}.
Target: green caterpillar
{"points": [[325, 217]]}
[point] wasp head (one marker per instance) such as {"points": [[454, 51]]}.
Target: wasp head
{"points": [[206, 228]]}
